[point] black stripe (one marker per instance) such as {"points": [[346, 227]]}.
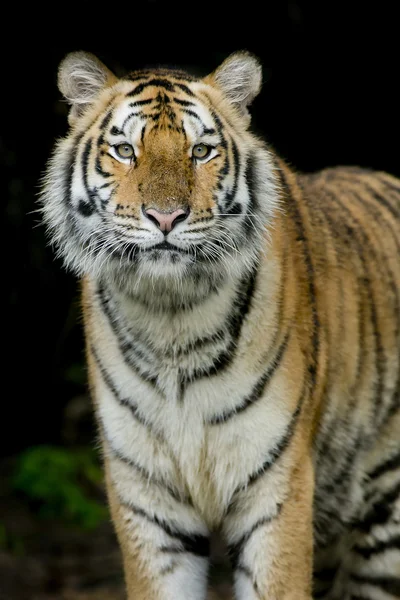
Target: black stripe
{"points": [[280, 304], [85, 164], [224, 359], [235, 209], [224, 170], [124, 345], [390, 585], [235, 550], [106, 120], [239, 312], [378, 548], [98, 166], [183, 102], [191, 113], [185, 89], [251, 180], [345, 474], [382, 200], [141, 102], [380, 512], [126, 402], [116, 130], [390, 464], [142, 133], [393, 208], [230, 196], [131, 116], [70, 169], [258, 389], [146, 474], [293, 208], [194, 543], [159, 82], [196, 344], [283, 443], [86, 208], [394, 404]]}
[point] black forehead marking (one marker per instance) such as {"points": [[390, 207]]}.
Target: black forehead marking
{"points": [[185, 89], [162, 98], [158, 82], [163, 106], [166, 84], [184, 102], [141, 102]]}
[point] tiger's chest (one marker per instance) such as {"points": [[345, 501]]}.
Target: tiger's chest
{"points": [[176, 407]]}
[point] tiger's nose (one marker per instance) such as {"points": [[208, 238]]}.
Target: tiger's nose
{"points": [[166, 221]]}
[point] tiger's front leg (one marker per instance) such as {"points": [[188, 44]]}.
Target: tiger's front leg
{"points": [[165, 548], [269, 535]]}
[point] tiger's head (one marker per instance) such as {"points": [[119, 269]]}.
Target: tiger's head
{"points": [[159, 178]]}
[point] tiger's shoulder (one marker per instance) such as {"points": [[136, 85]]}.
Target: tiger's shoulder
{"points": [[356, 184]]}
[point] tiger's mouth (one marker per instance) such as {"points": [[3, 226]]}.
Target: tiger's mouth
{"points": [[165, 245]]}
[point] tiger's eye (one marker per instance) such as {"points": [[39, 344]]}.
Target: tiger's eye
{"points": [[124, 150], [201, 151]]}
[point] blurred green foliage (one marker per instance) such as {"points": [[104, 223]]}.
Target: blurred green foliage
{"points": [[59, 481]]}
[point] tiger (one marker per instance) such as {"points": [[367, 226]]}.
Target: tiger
{"points": [[242, 327]]}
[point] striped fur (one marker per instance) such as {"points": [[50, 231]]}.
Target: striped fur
{"points": [[244, 367]]}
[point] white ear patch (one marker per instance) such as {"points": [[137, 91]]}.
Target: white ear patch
{"points": [[81, 77], [239, 77]]}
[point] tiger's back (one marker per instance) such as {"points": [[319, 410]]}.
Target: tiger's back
{"points": [[351, 230], [242, 328]]}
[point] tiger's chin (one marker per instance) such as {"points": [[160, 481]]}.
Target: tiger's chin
{"points": [[162, 280], [164, 264]]}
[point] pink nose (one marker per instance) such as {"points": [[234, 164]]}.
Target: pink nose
{"points": [[166, 221]]}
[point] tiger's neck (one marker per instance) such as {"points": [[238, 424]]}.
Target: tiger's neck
{"points": [[174, 343]]}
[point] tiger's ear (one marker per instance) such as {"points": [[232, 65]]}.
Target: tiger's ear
{"points": [[81, 77], [240, 78]]}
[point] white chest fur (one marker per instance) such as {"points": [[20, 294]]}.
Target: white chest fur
{"points": [[162, 403]]}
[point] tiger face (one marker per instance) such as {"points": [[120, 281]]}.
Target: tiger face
{"points": [[159, 175]]}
